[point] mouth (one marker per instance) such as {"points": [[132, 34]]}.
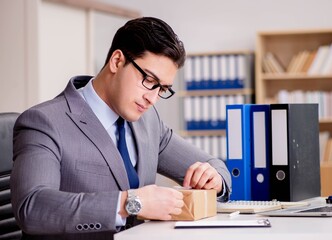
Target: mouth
{"points": [[141, 108]]}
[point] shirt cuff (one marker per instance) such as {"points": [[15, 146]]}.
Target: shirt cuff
{"points": [[119, 221], [223, 196]]}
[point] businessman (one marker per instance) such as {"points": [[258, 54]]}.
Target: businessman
{"points": [[85, 162]]}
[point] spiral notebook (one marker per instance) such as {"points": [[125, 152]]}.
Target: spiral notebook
{"points": [[255, 206]]}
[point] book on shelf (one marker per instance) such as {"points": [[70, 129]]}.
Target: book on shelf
{"points": [[208, 112], [326, 168], [218, 71], [255, 206], [323, 98], [325, 146], [318, 63], [328, 151], [303, 56], [297, 62], [327, 65], [291, 66], [301, 62], [309, 61], [213, 145], [267, 68], [272, 64]]}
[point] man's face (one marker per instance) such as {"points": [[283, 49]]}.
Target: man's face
{"points": [[128, 97]]}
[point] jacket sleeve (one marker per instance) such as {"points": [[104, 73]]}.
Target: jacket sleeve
{"points": [[177, 155]]}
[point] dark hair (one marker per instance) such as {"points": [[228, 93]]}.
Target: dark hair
{"points": [[148, 34]]}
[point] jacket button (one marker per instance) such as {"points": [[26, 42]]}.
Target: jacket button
{"points": [[79, 227], [91, 226], [97, 226], [85, 226]]}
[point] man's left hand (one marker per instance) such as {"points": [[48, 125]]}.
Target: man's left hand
{"points": [[203, 176]]}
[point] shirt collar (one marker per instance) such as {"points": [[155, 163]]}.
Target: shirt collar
{"points": [[104, 113]]}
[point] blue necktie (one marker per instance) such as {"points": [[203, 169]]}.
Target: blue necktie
{"points": [[122, 146]]}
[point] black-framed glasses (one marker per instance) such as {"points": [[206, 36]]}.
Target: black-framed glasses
{"points": [[151, 83]]}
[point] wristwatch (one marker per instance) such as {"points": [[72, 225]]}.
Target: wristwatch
{"points": [[133, 203]]}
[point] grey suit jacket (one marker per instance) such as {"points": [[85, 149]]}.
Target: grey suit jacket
{"points": [[67, 171]]}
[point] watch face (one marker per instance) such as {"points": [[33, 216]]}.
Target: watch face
{"points": [[133, 206]]}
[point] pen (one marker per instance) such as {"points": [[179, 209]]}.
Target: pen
{"points": [[233, 214]]}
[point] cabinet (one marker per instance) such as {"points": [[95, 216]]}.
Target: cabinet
{"points": [[315, 87], [210, 82]]}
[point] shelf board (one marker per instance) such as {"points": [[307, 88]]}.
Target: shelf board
{"points": [[287, 76], [325, 121], [219, 92], [295, 32], [198, 133], [325, 125]]}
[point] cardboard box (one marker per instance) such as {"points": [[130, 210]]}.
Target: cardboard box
{"points": [[198, 204]]}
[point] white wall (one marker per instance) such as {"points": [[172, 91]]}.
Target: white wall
{"points": [[43, 44], [40, 51], [213, 25], [63, 47], [105, 26], [12, 54]]}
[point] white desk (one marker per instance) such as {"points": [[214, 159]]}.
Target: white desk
{"points": [[282, 228]]}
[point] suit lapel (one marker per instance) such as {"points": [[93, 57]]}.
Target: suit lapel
{"points": [[84, 118]]}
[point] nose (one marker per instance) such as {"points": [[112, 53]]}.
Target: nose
{"points": [[152, 96]]}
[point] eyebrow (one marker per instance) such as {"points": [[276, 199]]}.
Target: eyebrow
{"points": [[155, 77], [152, 74]]}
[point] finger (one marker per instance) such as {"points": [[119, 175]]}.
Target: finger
{"points": [[179, 204], [189, 174], [215, 183], [176, 211], [167, 217], [204, 179], [200, 173], [177, 194]]}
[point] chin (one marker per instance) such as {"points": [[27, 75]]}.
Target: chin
{"points": [[133, 118], [136, 119]]}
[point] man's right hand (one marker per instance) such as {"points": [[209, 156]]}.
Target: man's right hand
{"points": [[158, 202]]}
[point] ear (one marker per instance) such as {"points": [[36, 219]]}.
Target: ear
{"points": [[117, 59]]}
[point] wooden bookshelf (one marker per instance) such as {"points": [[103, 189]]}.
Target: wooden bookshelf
{"points": [[284, 45]]}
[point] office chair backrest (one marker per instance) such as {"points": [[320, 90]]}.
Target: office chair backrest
{"points": [[8, 227]]}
